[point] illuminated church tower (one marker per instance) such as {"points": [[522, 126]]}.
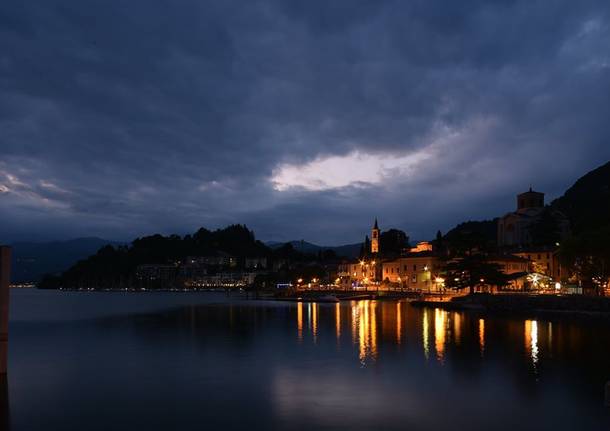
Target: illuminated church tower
{"points": [[375, 238]]}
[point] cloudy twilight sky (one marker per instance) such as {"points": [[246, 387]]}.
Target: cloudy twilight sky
{"points": [[302, 119]]}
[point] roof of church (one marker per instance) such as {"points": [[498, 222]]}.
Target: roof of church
{"points": [[375, 226], [530, 191]]}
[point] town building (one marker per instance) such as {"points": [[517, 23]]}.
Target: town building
{"points": [[255, 263], [156, 272], [358, 273], [191, 270], [513, 228], [218, 259], [415, 271], [421, 247], [222, 280], [543, 261], [516, 268]]}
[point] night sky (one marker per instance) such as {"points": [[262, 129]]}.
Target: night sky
{"points": [[301, 119]]}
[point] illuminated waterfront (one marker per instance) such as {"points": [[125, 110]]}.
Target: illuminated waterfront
{"points": [[170, 360]]}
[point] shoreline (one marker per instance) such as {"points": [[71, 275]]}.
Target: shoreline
{"points": [[523, 305], [506, 305]]}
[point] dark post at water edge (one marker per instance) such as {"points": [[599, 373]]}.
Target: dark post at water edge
{"points": [[5, 268]]}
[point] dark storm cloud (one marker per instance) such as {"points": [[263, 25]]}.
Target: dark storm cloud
{"points": [[126, 118]]}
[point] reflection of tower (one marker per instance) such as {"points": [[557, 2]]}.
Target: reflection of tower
{"points": [[375, 238]]}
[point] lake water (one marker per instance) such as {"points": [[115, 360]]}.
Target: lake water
{"points": [[193, 361]]}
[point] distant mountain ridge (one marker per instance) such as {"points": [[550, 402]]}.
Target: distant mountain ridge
{"points": [[32, 260], [587, 202], [347, 250]]}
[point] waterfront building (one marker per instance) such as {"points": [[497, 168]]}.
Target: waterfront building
{"points": [[543, 261], [255, 263], [279, 264], [358, 272], [156, 272], [220, 258], [414, 271], [517, 269], [190, 270], [223, 280]]}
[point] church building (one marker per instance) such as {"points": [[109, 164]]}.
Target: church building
{"points": [[513, 228]]}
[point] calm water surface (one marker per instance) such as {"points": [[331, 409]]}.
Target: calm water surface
{"points": [[162, 361]]}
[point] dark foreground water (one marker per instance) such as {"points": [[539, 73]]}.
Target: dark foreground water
{"points": [[164, 361]]}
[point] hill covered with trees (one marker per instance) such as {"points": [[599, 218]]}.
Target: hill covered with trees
{"points": [[587, 205], [112, 265], [587, 202]]}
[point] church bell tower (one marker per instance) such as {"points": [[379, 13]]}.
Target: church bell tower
{"points": [[375, 238]]}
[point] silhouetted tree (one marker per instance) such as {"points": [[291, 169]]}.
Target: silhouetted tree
{"points": [[587, 255], [467, 272], [392, 242]]}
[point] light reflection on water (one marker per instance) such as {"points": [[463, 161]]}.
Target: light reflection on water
{"points": [[447, 328], [234, 364], [338, 320], [531, 340], [398, 321], [457, 327], [425, 332], [300, 321], [482, 336], [440, 331]]}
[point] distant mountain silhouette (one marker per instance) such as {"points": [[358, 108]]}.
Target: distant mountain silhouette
{"points": [[348, 250], [587, 202], [31, 260]]}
